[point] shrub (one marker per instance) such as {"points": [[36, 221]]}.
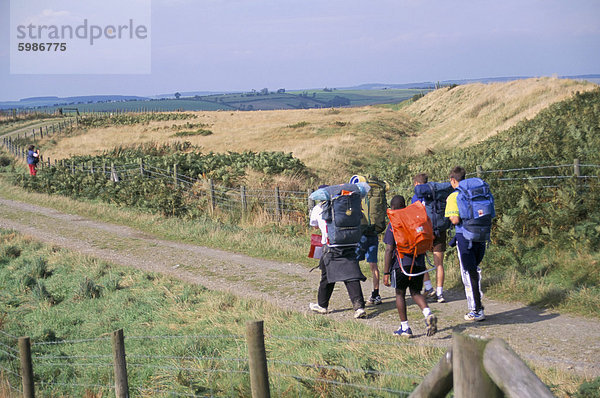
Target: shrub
{"points": [[89, 289]]}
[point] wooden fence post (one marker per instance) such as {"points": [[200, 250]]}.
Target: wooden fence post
{"points": [[211, 188], [438, 382], [468, 375], [278, 210], [72, 167], [244, 200], [479, 171], [257, 360], [120, 365], [141, 167], [114, 177], [510, 373], [26, 367], [576, 168], [175, 174]]}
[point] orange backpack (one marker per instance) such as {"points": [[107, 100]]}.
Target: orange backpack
{"points": [[413, 231]]}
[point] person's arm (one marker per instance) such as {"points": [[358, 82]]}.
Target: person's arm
{"points": [[452, 208], [387, 263]]}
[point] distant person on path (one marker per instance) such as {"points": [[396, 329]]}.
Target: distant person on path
{"points": [[439, 249], [471, 249], [393, 273], [337, 263], [33, 158]]}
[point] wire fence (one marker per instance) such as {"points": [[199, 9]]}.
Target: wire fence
{"points": [[78, 366]]}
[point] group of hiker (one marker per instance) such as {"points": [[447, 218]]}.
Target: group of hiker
{"points": [[351, 217]]}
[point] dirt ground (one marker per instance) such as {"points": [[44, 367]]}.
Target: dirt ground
{"points": [[543, 337]]}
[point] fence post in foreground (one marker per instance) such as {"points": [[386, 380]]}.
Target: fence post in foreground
{"points": [[479, 171], [114, 177], [211, 187], [576, 168], [438, 382], [469, 378], [120, 365], [26, 367], [244, 200], [141, 167], [510, 373], [257, 358], [278, 210]]}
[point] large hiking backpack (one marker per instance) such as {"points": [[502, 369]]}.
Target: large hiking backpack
{"points": [[374, 205], [412, 230], [434, 195], [342, 213], [476, 209]]}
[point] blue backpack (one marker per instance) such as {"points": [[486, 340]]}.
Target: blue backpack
{"points": [[343, 214], [476, 209], [434, 195]]}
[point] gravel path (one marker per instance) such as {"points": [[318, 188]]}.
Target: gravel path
{"points": [[542, 337]]}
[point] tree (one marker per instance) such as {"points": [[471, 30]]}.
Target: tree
{"points": [[281, 91], [264, 91], [177, 95]]}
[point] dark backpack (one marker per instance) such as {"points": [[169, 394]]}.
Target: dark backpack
{"points": [[476, 209], [434, 195], [374, 207], [342, 213]]}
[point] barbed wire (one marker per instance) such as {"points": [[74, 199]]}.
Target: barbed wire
{"points": [[71, 341], [175, 393], [9, 354], [9, 371], [9, 347], [9, 335], [108, 387]]}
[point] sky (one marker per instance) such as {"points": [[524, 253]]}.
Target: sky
{"points": [[231, 45]]}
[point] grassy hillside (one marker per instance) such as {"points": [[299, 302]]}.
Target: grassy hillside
{"points": [[336, 143], [466, 115]]}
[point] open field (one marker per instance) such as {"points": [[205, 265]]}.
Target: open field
{"points": [[339, 142], [248, 101]]}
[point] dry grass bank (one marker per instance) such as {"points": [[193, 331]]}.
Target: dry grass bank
{"points": [[354, 137], [469, 114]]}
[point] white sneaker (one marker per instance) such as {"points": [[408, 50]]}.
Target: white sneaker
{"points": [[317, 308], [360, 313]]}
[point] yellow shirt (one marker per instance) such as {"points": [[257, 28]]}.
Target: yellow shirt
{"points": [[451, 205]]}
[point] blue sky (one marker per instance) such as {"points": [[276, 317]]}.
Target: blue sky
{"points": [[216, 45]]}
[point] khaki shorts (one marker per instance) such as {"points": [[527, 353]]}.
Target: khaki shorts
{"points": [[439, 243]]}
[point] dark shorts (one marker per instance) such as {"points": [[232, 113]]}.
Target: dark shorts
{"points": [[367, 248], [439, 243], [414, 283]]}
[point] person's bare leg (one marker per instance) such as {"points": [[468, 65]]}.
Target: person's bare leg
{"points": [[438, 261]]}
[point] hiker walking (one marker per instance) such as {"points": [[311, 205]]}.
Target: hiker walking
{"points": [[433, 195], [470, 208], [373, 223], [396, 277], [33, 158], [338, 216]]}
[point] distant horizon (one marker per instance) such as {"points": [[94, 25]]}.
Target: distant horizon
{"points": [[595, 76]]}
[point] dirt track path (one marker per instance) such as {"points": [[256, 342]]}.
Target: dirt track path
{"points": [[546, 338]]}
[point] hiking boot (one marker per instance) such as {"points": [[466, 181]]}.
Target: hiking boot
{"points": [[375, 300], [360, 313], [440, 298], [404, 333], [317, 308], [475, 316], [431, 323]]}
